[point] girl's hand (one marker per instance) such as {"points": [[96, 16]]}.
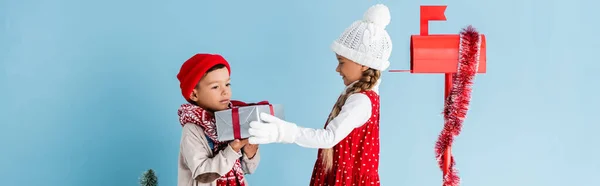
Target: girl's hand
{"points": [[237, 144], [272, 130], [250, 150]]}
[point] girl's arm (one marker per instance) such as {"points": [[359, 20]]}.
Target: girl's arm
{"points": [[250, 164], [355, 112], [195, 152]]}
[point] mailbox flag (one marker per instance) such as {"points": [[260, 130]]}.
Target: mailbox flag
{"points": [[431, 13]]}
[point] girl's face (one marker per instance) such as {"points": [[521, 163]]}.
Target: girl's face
{"points": [[349, 70], [213, 91]]}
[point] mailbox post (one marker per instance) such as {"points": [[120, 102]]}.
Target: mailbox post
{"points": [[441, 53]]}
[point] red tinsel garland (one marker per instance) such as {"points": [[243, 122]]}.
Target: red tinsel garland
{"points": [[457, 102]]}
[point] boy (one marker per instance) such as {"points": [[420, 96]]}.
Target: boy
{"points": [[203, 160]]}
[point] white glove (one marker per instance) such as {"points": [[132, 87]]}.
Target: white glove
{"points": [[272, 130]]}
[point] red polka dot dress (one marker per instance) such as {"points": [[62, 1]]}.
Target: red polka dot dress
{"points": [[356, 157]]}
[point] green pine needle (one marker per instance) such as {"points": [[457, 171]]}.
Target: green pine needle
{"points": [[149, 178]]}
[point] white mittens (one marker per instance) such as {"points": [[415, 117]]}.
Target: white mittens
{"points": [[272, 130]]}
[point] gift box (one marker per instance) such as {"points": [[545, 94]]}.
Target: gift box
{"points": [[234, 123]]}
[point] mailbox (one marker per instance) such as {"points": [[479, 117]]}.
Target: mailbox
{"points": [[439, 54]]}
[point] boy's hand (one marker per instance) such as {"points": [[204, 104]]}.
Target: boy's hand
{"points": [[237, 144], [250, 150]]}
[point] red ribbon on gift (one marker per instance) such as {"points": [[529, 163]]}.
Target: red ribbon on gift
{"points": [[235, 116]]}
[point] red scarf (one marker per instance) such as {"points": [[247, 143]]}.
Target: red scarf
{"points": [[189, 113]]}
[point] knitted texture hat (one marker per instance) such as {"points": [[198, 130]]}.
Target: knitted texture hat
{"points": [[366, 41], [194, 69]]}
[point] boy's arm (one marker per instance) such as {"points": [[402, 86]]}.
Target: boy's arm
{"points": [[205, 169], [250, 164]]}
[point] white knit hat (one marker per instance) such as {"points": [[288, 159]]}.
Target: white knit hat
{"points": [[366, 41]]}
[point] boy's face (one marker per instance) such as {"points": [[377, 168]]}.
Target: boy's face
{"points": [[349, 70], [213, 92]]}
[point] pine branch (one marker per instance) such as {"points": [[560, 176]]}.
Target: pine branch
{"points": [[149, 178]]}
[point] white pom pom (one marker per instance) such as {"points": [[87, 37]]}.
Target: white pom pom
{"points": [[378, 14]]}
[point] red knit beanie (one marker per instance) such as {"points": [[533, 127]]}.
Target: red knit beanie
{"points": [[194, 69]]}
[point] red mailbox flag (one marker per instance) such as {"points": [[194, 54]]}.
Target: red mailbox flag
{"points": [[459, 57], [431, 13]]}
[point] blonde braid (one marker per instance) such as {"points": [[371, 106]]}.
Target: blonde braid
{"points": [[367, 81]]}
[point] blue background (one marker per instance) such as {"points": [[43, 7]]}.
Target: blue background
{"points": [[89, 95]]}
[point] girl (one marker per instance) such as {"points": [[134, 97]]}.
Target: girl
{"points": [[203, 160], [349, 143]]}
